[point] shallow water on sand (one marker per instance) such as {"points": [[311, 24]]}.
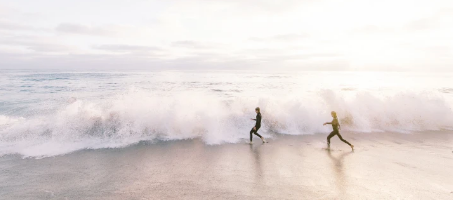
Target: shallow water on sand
{"points": [[383, 166]]}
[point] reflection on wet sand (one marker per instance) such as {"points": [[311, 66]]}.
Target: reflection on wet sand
{"points": [[337, 168], [256, 153]]}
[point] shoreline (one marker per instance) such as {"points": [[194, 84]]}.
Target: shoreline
{"points": [[383, 166]]}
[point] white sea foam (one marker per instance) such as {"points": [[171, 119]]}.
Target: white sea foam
{"points": [[128, 116], [140, 116], [6, 120]]}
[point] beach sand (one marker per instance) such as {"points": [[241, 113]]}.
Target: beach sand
{"points": [[383, 166]]}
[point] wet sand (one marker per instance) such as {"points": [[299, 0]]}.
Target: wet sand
{"points": [[383, 166]]}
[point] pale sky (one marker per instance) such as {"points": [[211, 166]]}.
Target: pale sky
{"points": [[388, 35]]}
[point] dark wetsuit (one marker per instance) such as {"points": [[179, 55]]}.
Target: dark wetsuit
{"points": [[257, 126], [335, 126]]}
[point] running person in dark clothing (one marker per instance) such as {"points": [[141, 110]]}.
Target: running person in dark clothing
{"points": [[257, 126], [336, 127]]}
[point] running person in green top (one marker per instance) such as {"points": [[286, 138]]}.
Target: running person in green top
{"points": [[336, 127]]}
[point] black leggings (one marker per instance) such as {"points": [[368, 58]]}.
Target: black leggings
{"points": [[255, 132], [336, 133]]}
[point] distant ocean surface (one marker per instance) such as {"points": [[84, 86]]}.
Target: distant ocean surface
{"points": [[49, 113]]}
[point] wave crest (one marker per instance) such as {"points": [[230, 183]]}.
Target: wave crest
{"points": [[142, 116]]}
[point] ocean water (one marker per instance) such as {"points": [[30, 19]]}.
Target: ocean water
{"points": [[50, 113]]}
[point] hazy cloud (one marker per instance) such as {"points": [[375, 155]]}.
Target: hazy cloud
{"points": [[190, 44], [133, 49], [372, 29], [228, 34], [82, 29], [266, 6], [281, 38], [300, 56], [6, 25], [423, 24], [37, 44], [49, 48]]}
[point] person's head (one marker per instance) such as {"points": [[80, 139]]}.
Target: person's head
{"points": [[257, 109], [334, 114]]}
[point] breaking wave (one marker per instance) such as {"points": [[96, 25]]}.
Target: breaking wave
{"points": [[135, 116]]}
